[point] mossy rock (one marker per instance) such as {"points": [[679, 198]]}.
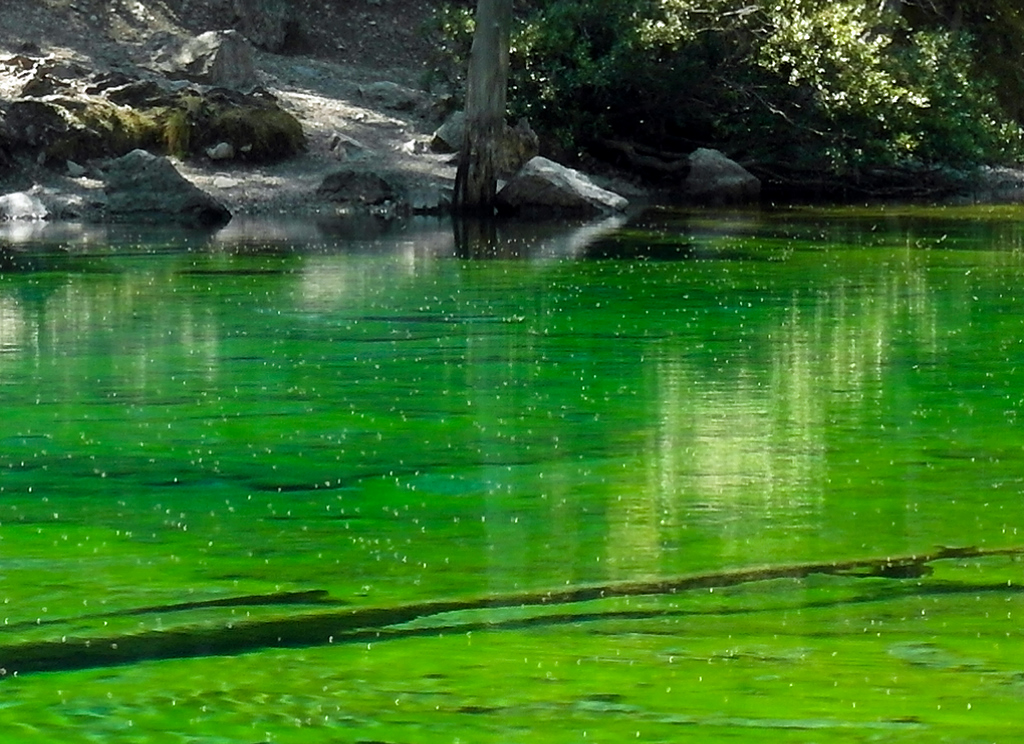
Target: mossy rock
{"points": [[255, 126], [184, 124], [80, 127]]}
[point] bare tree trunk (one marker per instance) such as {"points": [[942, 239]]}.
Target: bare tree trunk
{"points": [[476, 181]]}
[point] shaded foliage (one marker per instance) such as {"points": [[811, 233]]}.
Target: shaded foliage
{"points": [[791, 86]]}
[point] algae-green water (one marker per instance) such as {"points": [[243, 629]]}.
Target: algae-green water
{"points": [[204, 438]]}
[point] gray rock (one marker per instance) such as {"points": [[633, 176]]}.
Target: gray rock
{"points": [[347, 148], [22, 205], [75, 170], [394, 96], [41, 84], [137, 93], [545, 186], [266, 23], [49, 76], [33, 123], [415, 146], [448, 136], [715, 179], [356, 186], [221, 151], [222, 58], [148, 188]]}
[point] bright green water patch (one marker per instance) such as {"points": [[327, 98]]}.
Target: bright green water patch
{"points": [[390, 426]]}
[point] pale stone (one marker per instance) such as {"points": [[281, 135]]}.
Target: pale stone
{"points": [[543, 185]]}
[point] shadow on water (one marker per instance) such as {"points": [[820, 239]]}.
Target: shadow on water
{"points": [[65, 246], [656, 234], [653, 234]]}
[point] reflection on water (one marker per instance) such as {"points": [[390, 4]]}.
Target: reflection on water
{"points": [[377, 416]]}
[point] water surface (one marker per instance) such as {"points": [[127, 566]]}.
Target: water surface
{"points": [[198, 429]]}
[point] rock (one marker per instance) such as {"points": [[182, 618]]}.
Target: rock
{"points": [[357, 186], [221, 151], [519, 145], [148, 188], [347, 148], [33, 123], [186, 122], [545, 186], [394, 96], [415, 146], [715, 179], [76, 127], [49, 76], [102, 82], [21, 62], [22, 205], [222, 58], [75, 170], [253, 124], [448, 136], [269, 24], [135, 93], [42, 84]]}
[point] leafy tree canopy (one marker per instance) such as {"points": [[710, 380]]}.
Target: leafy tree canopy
{"points": [[794, 86]]}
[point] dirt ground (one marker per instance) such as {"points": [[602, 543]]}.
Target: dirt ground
{"points": [[343, 51], [382, 35]]}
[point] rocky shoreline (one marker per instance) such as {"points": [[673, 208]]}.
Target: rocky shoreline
{"points": [[349, 121], [236, 130]]}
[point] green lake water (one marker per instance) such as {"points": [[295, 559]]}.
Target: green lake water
{"points": [[209, 444]]}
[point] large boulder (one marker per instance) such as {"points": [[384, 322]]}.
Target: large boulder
{"points": [[448, 137], [269, 24], [391, 95], [545, 186], [33, 123], [221, 58], [55, 129], [358, 187], [148, 188], [715, 179], [257, 129], [110, 114], [22, 205]]}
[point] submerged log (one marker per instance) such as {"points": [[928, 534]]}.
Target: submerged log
{"points": [[361, 623]]}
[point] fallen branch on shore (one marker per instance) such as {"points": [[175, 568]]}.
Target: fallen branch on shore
{"points": [[359, 623]]}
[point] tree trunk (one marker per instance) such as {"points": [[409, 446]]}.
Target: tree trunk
{"points": [[476, 180]]}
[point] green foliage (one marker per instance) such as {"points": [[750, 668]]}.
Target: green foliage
{"points": [[800, 85], [451, 31]]}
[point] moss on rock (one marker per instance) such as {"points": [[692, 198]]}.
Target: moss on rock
{"points": [[183, 124], [257, 129], [85, 127]]}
